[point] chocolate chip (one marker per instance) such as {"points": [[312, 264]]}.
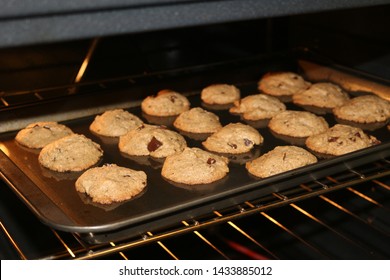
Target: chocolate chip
{"points": [[47, 127], [357, 134], [211, 161], [333, 139], [141, 127], [172, 98], [247, 142], [284, 156], [234, 146], [154, 144]]}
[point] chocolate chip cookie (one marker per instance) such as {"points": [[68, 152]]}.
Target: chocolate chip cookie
{"points": [[194, 166], [321, 95], [297, 124], [234, 138], [197, 120], [280, 159], [282, 84], [39, 134], [111, 183], [258, 107], [166, 103], [340, 139], [364, 109], [220, 94], [151, 140], [70, 153], [114, 123]]}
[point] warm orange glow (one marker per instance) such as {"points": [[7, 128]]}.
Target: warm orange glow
{"points": [[4, 149]]}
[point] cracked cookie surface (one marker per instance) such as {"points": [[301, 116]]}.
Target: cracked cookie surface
{"points": [[111, 183], [220, 94], [234, 138], [364, 109], [194, 166], [166, 103], [71, 153], [114, 123], [340, 139], [297, 124], [151, 140], [258, 107], [282, 83], [39, 134], [197, 120], [280, 159]]}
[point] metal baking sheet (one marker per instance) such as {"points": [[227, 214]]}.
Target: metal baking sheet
{"points": [[53, 198]]}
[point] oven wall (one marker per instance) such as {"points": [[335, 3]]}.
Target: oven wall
{"points": [[358, 38]]}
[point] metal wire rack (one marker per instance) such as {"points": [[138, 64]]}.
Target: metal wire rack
{"points": [[222, 232]]}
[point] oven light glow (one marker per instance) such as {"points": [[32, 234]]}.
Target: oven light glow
{"points": [[4, 149]]}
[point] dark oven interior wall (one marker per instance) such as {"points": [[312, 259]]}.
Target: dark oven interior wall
{"points": [[358, 38], [45, 65]]}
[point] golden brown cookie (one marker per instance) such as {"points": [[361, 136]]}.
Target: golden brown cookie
{"points": [[340, 139], [39, 134], [165, 103], [151, 140], [364, 109], [297, 124], [197, 120], [280, 159], [114, 123], [282, 84], [194, 166], [111, 183], [220, 94], [258, 107], [234, 138], [321, 95], [71, 153]]}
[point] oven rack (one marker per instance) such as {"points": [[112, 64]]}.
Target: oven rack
{"points": [[369, 184]]}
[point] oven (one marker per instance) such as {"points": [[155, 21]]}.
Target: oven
{"points": [[70, 61]]}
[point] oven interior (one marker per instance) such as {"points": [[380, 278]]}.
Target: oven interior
{"points": [[342, 216]]}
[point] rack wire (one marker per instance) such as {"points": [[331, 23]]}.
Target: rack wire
{"points": [[225, 231]]}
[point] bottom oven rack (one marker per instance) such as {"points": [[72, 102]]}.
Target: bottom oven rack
{"points": [[346, 217]]}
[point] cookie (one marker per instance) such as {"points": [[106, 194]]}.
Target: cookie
{"points": [[39, 134], [280, 159], [321, 95], [166, 103], [340, 139], [220, 94], [234, 138], [114, 123], [282, 84], [197, 120], [297, 124], [111, 183], [364, 109], [258, 107], [71, 153], [151, 140], [194, 166]]}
